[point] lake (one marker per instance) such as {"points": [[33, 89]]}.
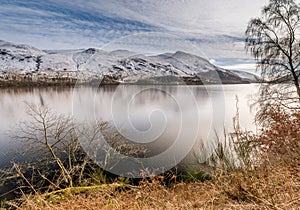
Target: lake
{"points": [[173, 119]]}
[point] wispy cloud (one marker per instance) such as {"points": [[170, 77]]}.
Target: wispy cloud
{"points": [[214, 28], [194, 16], [61, 26]]}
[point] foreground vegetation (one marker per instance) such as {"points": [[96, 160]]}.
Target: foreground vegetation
{"points": [[250, 172], [273, 187]]}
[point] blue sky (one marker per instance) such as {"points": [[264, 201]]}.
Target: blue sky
{"points": [[213, 29]]}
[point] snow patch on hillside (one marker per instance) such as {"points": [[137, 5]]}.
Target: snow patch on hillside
{"points": [[121, 64]]}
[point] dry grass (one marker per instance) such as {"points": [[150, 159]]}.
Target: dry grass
{"points": [[274, 184], [265, 188]]}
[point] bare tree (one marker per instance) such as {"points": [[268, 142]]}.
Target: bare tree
{"points": [[52, 142], [274, 41], [60, 153]]}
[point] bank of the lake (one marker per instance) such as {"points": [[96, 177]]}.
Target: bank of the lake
{"points": [[274, 183], [271, 183]]}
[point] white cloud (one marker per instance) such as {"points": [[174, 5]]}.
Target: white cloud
{"points": [[197, 16], [154, 43], [242, 66], [202, 27]]}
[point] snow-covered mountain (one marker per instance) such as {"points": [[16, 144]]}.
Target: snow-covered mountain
{"points": [[122, 65]]}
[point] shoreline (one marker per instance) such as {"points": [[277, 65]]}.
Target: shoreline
{"points": [[36, 84]]}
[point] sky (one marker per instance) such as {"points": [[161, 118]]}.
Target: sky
{"points": [[213, 29]]}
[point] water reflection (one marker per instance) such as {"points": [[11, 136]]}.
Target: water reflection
{"points": [[153, 115]]}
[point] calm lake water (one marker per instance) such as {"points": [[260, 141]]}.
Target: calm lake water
{"points": [[144, 114]]}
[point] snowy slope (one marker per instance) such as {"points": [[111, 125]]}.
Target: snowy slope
{"points": [[121, 64], [15, 49], [246, 75], [188, 63], [58, 61], [21, 58]]}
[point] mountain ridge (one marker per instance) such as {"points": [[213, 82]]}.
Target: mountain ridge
{"points": [[122, 66]]}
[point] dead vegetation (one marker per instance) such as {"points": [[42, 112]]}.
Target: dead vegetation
{"points": [[273, 182], [273, 187]]}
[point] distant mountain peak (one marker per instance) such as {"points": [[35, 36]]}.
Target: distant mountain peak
{"points": [[121, 64], [90, 51], [20, 48]]}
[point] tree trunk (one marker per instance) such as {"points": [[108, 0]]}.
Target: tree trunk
{"points": [[296, 82]]}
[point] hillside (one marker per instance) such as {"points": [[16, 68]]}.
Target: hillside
{"points": [[120, 66]]}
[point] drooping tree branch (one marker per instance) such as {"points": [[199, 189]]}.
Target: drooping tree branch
{"points": [[274, 41]]}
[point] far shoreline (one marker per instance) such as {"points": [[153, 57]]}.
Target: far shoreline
{"points": [[71, 82]]}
